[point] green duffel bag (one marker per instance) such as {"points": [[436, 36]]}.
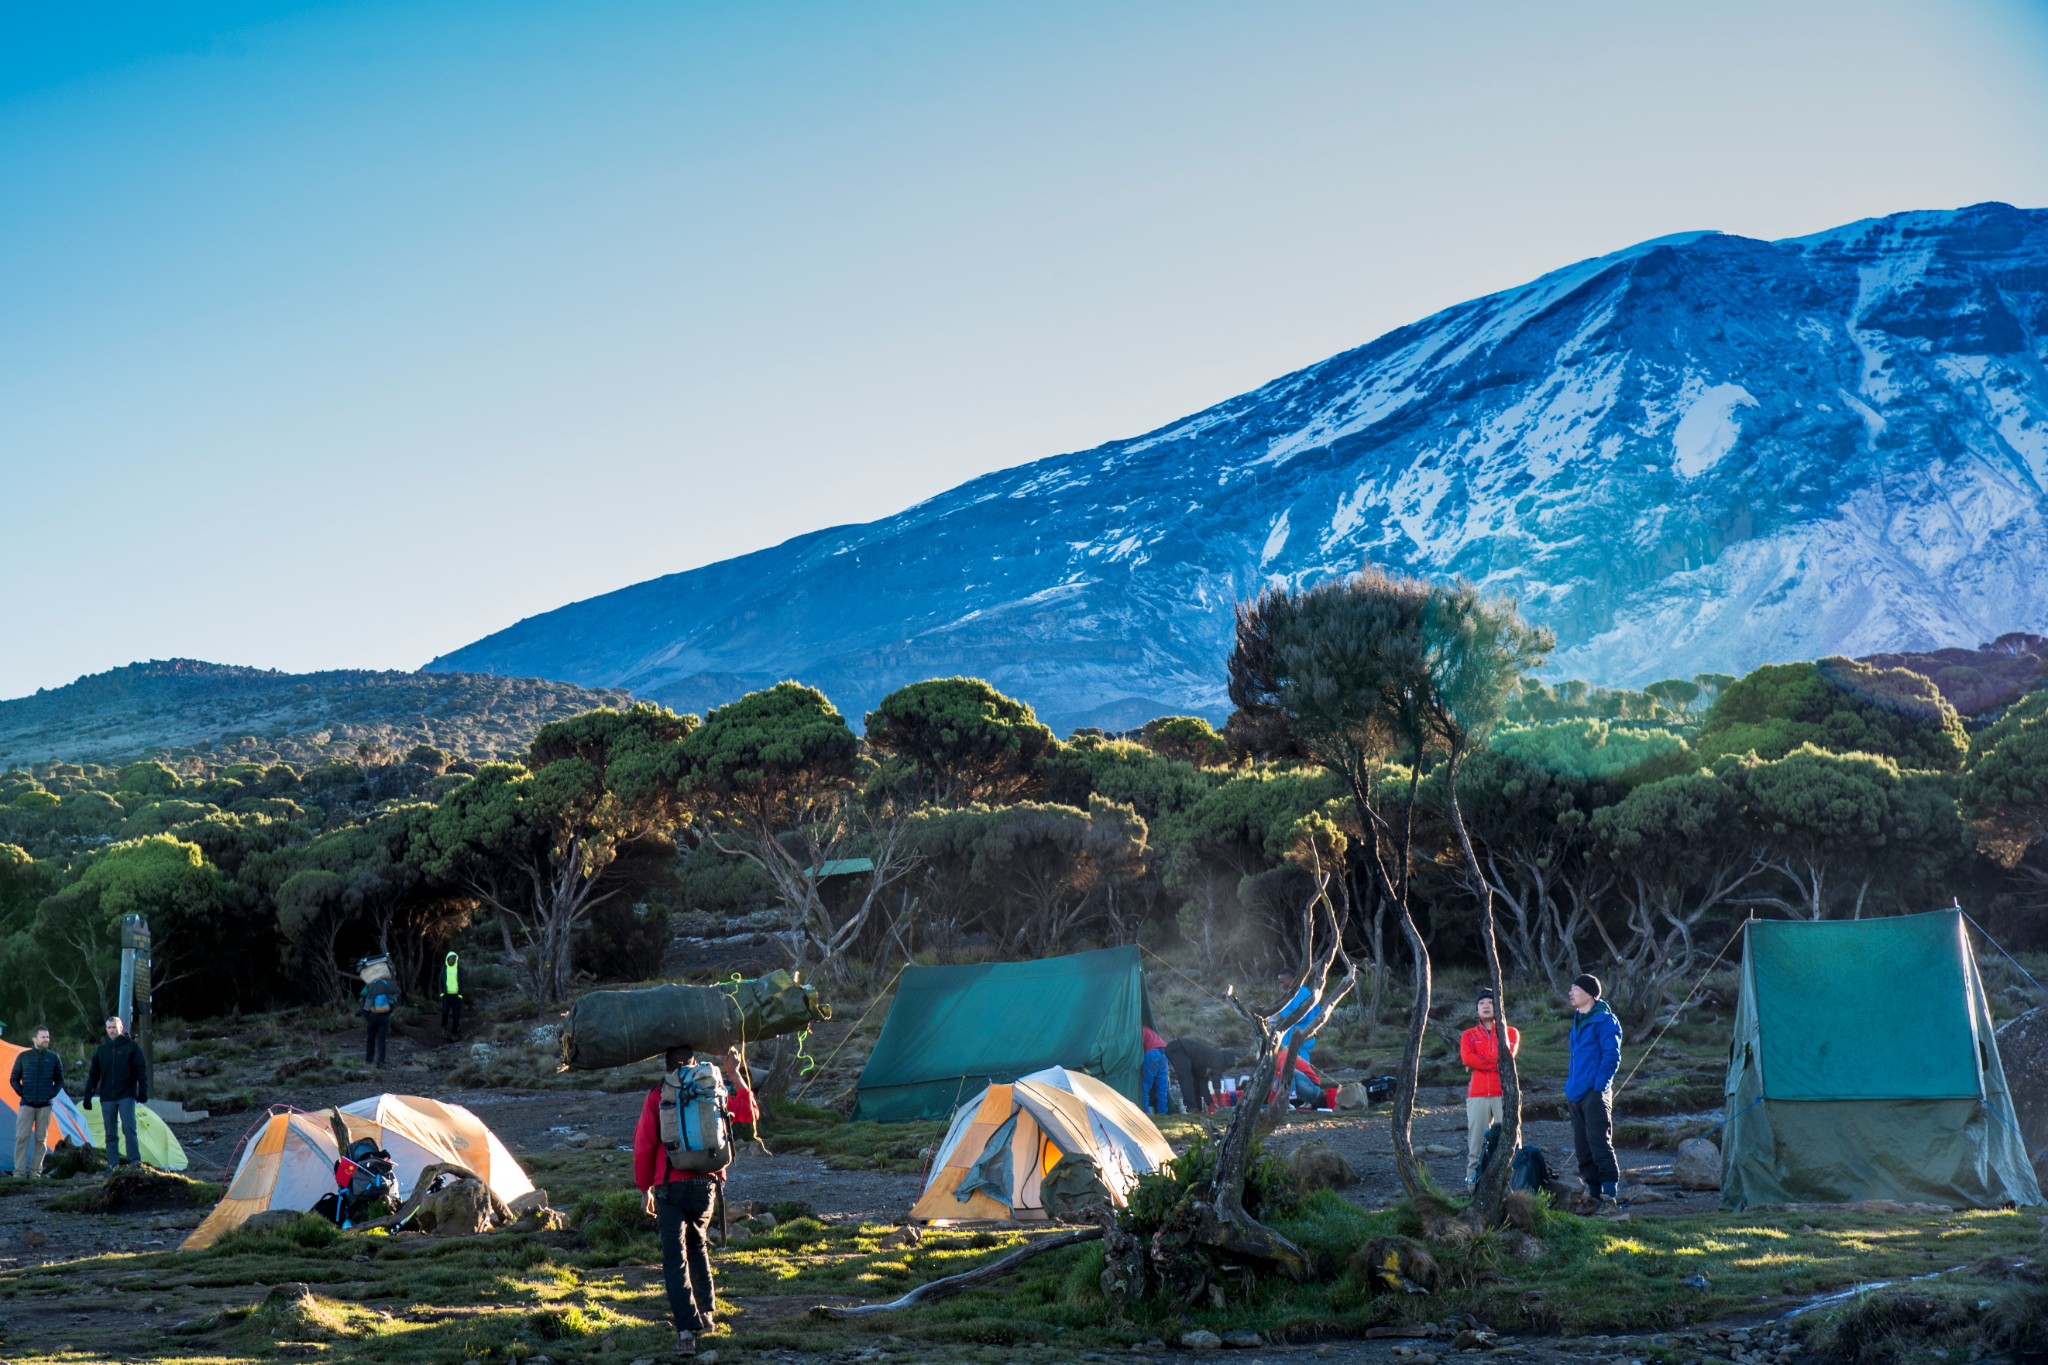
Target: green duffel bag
{"points": [[618, 1028]]}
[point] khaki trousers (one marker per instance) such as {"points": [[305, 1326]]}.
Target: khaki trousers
{"points": [[1481, 1113], [31, 1134]]}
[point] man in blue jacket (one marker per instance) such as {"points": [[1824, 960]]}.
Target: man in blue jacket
{"points": [[1589, 1091]]}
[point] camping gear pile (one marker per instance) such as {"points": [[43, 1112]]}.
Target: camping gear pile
{"points": [[952, 1030], [292, 1161], [1834, 1097], [618, 1028], [1053, 1145]]}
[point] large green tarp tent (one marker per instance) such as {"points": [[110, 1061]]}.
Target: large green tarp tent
{"points": [[1864, 1067], [953, 1030]]}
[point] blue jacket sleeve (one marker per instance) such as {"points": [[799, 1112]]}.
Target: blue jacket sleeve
{"points": [[1610, 1054]]}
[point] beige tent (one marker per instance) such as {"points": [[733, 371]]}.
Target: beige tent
{"points": [[289, 1162], [1004, 1143]]}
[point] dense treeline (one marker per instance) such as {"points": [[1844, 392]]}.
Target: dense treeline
{"points": [[1623, 831]]}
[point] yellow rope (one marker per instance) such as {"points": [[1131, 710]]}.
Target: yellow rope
{"points": [[872, 1006], [1181, 974]]}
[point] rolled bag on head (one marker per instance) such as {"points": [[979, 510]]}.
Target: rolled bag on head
{"points": [[618, 1028]]}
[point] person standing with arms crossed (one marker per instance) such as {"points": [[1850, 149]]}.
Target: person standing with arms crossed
{"points": [[37, 1077], [1589, 1093], [1479, 1049]]}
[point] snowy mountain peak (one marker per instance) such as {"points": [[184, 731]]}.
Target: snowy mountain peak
{"points": [[1702, 452]]}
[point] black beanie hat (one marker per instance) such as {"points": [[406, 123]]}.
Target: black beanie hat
{"points": [[1588, 983], [1485, 993]]}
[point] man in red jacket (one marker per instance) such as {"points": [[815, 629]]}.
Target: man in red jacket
{"points": [[681, 1203], [1480, 1051]]}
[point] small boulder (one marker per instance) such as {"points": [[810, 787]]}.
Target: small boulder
{"points": [[1243, 1339], [1351, 1096], [1437, 1149], [1394, 1265], [480, 1053], [1696, 1165], [459, 1209], [1319, 1166], [1200, 1341]]}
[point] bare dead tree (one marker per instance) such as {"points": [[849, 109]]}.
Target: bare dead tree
{"points": [[1212, 1238]]}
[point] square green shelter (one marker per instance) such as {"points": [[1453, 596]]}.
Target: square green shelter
{"points": [[1864, 1067], [953, 1030]]}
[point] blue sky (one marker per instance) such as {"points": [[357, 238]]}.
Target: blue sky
{"points": [[340, 335]]}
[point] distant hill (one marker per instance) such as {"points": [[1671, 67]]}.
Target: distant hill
{"points": [[184, 704], [1701, 453]]}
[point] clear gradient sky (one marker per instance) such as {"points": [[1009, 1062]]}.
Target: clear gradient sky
{"points": [[340, 335]]}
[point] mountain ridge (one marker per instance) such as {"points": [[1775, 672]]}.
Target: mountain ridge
{"points": [[161, 705], [1697, 453]]}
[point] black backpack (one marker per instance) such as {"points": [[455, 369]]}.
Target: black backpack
{"points": [[1529, 1172]]}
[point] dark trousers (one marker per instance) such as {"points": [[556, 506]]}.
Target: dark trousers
{"points": [[377, 1034], [683, 1210], [1593, 1141], [451, 1015]]}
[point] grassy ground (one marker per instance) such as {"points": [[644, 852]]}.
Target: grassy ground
{"points": [[404, 1299]]}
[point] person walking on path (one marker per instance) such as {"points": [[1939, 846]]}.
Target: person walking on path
{"points": [[680, 1202], [119, 1080], [1589, 1092], [379, 997], [1154, 1076], [1480, 1051], [451, 999], [37, 1077]]}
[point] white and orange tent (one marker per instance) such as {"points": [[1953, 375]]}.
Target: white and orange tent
{"points": [[288, 1163], [67, 1121], [1004, 1142]]}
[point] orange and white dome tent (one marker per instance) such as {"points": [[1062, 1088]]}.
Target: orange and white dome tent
{"points": [[289, 1162], [1004, 1142], [67, 1121]]}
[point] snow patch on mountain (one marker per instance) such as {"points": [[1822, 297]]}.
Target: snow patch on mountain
{"points": [[1708, 430]]}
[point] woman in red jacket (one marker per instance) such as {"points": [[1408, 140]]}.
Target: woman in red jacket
{"points": [[681, 1203], [1480, 1051]]}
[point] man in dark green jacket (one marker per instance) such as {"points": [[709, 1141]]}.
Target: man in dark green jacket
{"points": [[119, 1080], [37, 1078]]}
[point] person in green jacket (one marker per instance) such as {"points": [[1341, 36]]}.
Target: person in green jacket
{"points": [[451, 998]]}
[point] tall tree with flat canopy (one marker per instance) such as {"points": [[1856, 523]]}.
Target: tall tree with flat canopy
{"points": [[955, 741], [1374, 673], [535, 841], [777, 778]]}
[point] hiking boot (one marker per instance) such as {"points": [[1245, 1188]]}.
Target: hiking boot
{"points": [[686, 1343], [1609, 1207]]}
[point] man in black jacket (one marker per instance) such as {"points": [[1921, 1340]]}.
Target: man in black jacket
{"points": [[37, 1077], [119, 1079]]}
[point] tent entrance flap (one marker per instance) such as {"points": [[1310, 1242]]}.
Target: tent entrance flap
{"points": [[990, 1173], [953, 1030]]}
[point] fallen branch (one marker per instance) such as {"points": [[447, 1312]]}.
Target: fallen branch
{"points": [[953, 1284]]}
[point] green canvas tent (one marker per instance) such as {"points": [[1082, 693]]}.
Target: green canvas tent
{"points": [[954, 1030], [1863, 1067]]}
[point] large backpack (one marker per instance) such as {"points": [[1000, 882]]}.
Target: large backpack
{"points": [[696, 1131], [380, 996], [364, 1177]]}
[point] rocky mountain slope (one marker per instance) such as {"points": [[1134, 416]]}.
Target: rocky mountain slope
{"points": [[173, 704], [1704, 452]]}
